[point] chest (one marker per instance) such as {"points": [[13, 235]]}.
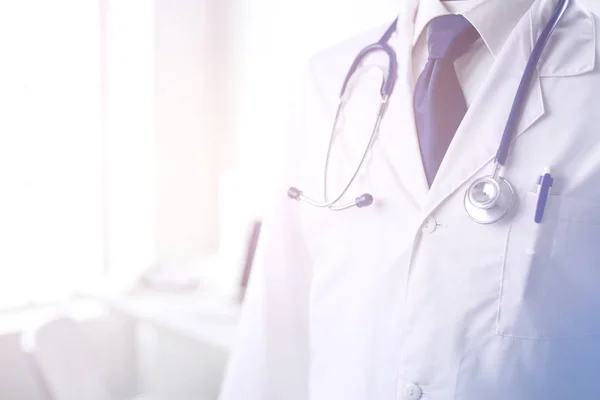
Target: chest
{"points": [[435, 239]]}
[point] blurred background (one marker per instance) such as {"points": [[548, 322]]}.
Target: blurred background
{"points": [[138, 143]]}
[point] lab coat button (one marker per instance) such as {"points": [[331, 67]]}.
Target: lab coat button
{"points": [[411, 391], [429, 226]]}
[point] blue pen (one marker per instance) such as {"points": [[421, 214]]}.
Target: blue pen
{"points": [[544, 184]]}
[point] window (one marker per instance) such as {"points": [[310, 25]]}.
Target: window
{"points": [[65, 145], [50, 149]]}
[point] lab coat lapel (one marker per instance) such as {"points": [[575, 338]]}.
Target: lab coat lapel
{"points": [[476, 141], [398, 132]]}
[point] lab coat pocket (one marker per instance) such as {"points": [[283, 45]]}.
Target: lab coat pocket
{"points": [[551, 273]]}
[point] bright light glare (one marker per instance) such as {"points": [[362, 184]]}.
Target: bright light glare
{"points": [[50, 149]]}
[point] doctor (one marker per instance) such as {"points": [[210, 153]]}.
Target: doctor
{"points": [[411, 298]]}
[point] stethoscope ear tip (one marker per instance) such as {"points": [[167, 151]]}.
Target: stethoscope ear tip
{"points": [[294, 193], [364, 200]]}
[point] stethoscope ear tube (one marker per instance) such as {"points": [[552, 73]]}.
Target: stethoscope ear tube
{"points": [[389, 82], [364, 200], [387, 87]]}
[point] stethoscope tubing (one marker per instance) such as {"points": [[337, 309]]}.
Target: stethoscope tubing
{"points": [[519, 102], [386, 91]]}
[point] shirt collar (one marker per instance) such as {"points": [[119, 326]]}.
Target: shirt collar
{"points": [[493, 19]]}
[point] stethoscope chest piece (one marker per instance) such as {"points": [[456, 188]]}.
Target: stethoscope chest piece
{"points": [[489, 199]]}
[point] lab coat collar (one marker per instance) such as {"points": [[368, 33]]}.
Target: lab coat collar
{"points": [[572, 48], [494, 31], [570, 51], [578, 51]]}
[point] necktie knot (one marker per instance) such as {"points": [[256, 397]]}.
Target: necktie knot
{"points": [[449, 37]]}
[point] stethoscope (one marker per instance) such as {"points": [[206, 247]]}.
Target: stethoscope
{"points": [[487, 199]]}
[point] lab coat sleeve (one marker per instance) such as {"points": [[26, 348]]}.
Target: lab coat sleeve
{"points": [[269, 360]]}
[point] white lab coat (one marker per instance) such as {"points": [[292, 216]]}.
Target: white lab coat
{"points": [[409, 298]]}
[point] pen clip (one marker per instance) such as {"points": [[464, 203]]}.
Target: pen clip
{"points": [[544, 184]]}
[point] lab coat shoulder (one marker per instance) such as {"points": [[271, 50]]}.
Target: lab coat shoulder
{"points": [[567, 131], [329, 67], [591, 5]]}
